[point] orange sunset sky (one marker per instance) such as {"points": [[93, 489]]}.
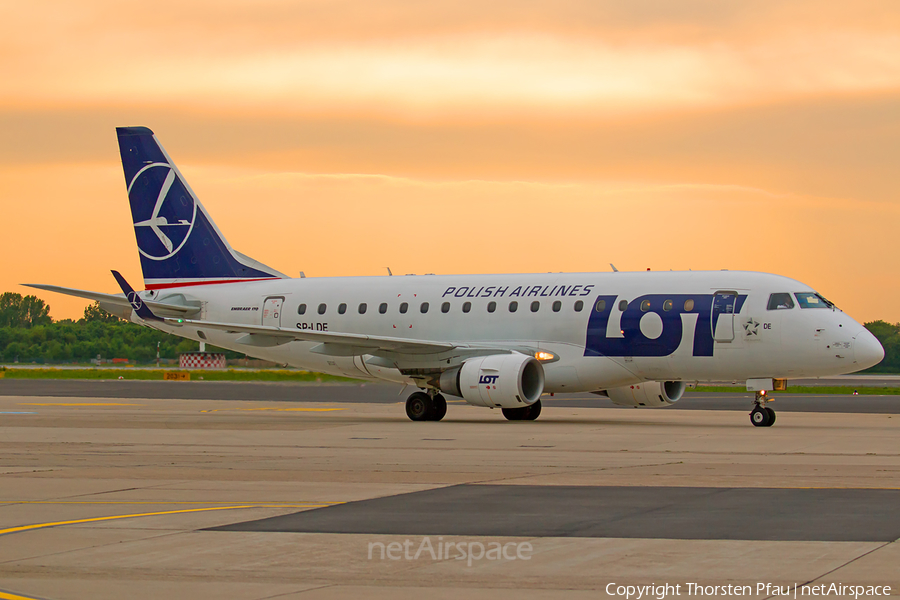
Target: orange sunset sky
{"points": [[341, 137]]}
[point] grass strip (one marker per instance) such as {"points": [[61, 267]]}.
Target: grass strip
{"points": [[157, 375], [808, 389], [288, 375]]}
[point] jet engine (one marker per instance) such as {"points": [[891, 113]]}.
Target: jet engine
{"points": [[649, 393], [499, 380]]}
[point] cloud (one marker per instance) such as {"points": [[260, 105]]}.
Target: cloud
{"points": [[466, 69], [356, 224]]}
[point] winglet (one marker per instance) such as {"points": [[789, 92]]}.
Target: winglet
{"points": [[142, 310]]}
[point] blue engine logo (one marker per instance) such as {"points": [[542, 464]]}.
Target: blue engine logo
{"points": [[488, 379]]}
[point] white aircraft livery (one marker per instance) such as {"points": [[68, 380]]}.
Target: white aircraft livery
{"points": [[497, 341]]}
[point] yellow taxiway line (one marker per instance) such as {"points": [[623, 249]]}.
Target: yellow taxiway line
{"points": [[76, 404], [150, 514], [96, 519], [273, 408], [320, 504], [84, 404], [11, 596]]}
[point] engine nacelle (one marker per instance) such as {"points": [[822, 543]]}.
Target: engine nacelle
{"points": [[500, 380], [649, 394]]}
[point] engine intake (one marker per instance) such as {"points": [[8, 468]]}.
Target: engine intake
{"points": [[500, 380], [648, 394]]}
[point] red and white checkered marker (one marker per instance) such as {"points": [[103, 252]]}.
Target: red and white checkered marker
{"points": [[202, 360]]}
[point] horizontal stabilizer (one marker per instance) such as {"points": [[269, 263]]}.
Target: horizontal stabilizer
{"points": [[162, 309]]}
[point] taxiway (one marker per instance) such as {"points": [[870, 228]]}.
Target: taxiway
{"points": [[142, 497]]}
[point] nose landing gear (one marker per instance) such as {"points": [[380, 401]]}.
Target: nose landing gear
{"points": [[762, 415], [423, 407]]}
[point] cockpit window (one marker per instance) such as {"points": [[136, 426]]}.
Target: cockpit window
{"points": [[812, 300], [780, 302]]}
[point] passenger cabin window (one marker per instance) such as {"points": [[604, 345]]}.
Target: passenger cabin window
{"points": [[556, 306], [382, 308], [688, 305], [513, 306], [492, 306], [362, 308], [467, 306], [445, 307], [301, 310], [322, 308], [623, 305], [812, 300], [780, 302], [601, 305], [667, 305], [342, 308], [424, 308], [535, 306], [579, 304], [645, 305], [404, 306]]}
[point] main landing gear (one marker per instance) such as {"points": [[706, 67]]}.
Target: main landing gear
{"points": [[762, 415], [423, 407], [526, 413]]}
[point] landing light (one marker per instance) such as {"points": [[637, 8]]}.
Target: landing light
{"points": [[544, 356]]}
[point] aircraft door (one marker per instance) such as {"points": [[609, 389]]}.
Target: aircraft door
{"points": [[271, 314], [723, 316]]}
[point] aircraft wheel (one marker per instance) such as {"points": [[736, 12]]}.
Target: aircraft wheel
{"points": [[514, 414], [759, 417], [526, 413], [440, 407], [534, 411], [419, 407], [771, 414]]}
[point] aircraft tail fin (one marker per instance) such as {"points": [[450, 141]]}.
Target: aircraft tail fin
{"points": [[178, 242]]}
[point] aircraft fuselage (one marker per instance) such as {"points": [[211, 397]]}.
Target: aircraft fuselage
{"points": [[603, 329]]}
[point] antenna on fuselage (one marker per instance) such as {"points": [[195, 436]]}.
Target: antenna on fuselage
{"points": [[615, 270], [302, 275], [389, 271]]}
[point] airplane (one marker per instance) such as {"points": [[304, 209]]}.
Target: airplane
{"points": [[495, 341]]}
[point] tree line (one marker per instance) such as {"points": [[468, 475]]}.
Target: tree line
{"points": [[889, 336], [28, 334]]}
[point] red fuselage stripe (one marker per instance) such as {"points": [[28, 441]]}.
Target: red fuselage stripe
{"points": [[164, 286]]}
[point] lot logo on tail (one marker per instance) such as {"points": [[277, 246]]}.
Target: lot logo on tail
{"points": [[163, 232]]}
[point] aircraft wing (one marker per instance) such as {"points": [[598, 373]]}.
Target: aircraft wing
{"points": [[119, 301], [333, 343]]}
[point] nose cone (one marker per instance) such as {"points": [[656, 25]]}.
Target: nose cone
{"points": [[867, 349]]}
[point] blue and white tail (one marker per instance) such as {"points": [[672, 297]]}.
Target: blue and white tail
{"points": [[178, 242]]}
